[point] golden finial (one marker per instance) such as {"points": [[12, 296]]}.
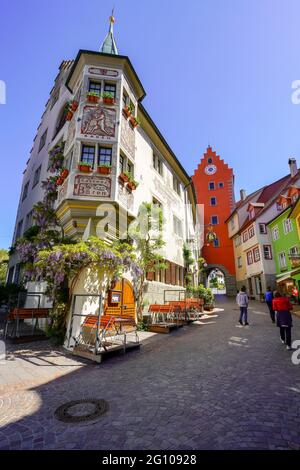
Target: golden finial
{"points": [[112, 18]]}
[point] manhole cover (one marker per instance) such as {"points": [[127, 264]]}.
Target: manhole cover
{"points": [[78, 411]]}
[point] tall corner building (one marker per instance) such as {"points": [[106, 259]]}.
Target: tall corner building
{"points": [[214, 185]]}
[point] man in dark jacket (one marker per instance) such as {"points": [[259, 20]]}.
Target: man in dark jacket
{"points": [[269, 301]]}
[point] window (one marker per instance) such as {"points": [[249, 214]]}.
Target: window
{"points": [[282, 260], [130, 168], [216, 243], [176, 185], [275, 233], [267, 252], [256, 254], [232, 224], [262, 228], [105, 156], [28, 222], [214, 220], [213, 201], [293, 251], [43, 140], [10, 275], [239, 262], [287, 226], [209, 160], [156, 202], [245, 236], [177, 226], [125, 98], [36, 177], [19, 229], [279, 206], [122, 164], [17, 274], [88, 154], [221, 185], [237, 241], [211, 185], [157, 164], [25, 191], [251, 232], [110, 88], [95, 87], [249, 257]]}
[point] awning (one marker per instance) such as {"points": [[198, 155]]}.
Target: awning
{"points": [[284, 277]]}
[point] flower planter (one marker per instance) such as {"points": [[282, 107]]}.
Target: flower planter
{"points": [[133, 122], [126, 111], [131, 186], [104, 170], [93, 99], [64, 173], [69, 115], [74, 106], [84, 168], [108, 100], [123, 178], [59, 181]]}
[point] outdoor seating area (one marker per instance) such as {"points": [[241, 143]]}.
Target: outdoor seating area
{"points": [[26, 324]]}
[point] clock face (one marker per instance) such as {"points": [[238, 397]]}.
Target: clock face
{"points": [[210, 169]]}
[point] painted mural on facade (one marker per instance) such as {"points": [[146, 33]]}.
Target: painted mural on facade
{"points": [[98, 121]]}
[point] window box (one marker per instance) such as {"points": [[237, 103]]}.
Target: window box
{"points": [[127, 111], [84, 167], [69, 115], [131, 185], [64, 173], [74, 106], [59, 181], [134, 121], [104, 169], [93, 97], [123, 178], [108, 98]]}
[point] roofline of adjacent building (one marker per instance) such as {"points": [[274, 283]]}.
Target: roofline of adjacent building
{"points": [[289, 208]]}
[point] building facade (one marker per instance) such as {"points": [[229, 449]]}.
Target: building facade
{"points": [[116, 159], [214, 181]]}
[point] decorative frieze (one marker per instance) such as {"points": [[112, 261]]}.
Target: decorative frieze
{"points": [[104, 72], [94, 186], [127, 137]]}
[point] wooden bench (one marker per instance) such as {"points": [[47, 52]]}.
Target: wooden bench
{"points": [[17, 314]]}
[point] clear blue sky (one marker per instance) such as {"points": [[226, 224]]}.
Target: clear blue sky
{"points": [[215, 71]]}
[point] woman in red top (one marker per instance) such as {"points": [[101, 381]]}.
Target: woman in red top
{"points": [[282, 305]]}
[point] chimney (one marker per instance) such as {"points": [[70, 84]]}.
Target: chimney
{"points": [[293, 166], [243, 194]]}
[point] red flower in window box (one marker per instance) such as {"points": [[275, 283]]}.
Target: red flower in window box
{"points": [[126, 111], [69, 116], [104, 169], [108, 98], [85, 167], [93, 97], [134, 121], [64, 173], [74, 106], [131, 186]]}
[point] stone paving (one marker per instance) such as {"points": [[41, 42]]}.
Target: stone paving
{"points": [[210, 385]]}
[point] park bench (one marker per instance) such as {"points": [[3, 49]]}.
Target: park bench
{"points": [[164, 318], [20, 317]]}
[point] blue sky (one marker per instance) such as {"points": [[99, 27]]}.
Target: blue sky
{"points": [[216, 72]]}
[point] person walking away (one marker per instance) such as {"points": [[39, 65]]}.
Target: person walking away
{"points": [[269, 301], [243, 301], [283, 306]]}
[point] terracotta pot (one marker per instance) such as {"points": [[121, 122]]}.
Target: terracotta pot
{"points": [[59, 181], [93, 99], [74, 106], [104, 170], [69, 115], [108, 101], [131, 186], [133, 121], [64, 174], [84, 168], [124, 178], [126, 111]]}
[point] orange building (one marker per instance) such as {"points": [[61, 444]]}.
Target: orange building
{"points": [[214, 181]]}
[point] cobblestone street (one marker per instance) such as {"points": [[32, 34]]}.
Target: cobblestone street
{"points": [[211, 385]]}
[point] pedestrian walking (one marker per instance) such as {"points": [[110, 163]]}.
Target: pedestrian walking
{"points": [[243, 301], [269, 301], [283, 307]]}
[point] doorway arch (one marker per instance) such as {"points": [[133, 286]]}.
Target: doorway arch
{"points": [[230, 280], [216, 281]]}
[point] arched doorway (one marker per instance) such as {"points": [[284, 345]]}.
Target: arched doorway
{"points": [[216, 281], [120, 300]]}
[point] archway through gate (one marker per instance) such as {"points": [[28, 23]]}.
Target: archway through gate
{"points": [[216, 281], [225, 280], [120, 300]]}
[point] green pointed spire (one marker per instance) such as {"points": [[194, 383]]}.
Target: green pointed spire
{"points": [[109, 45]]}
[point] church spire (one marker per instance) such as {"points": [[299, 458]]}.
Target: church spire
{"points": [[109, 44]]}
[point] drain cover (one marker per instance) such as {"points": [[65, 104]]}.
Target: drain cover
{"points": [[78, 411]]}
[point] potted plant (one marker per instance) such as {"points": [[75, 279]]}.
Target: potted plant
{"points": [[126, 111], [74, 106], [132, 184], [123, 177], [104, 169], [93, 97], [64, 173], [59, 181], [69, 115], [134, 121], [108, 98], [84, 167]]}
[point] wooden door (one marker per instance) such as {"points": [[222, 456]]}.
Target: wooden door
{"points": [[127, 305]]}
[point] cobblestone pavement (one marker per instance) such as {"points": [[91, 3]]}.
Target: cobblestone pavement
{"points": [[211, 385]]}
